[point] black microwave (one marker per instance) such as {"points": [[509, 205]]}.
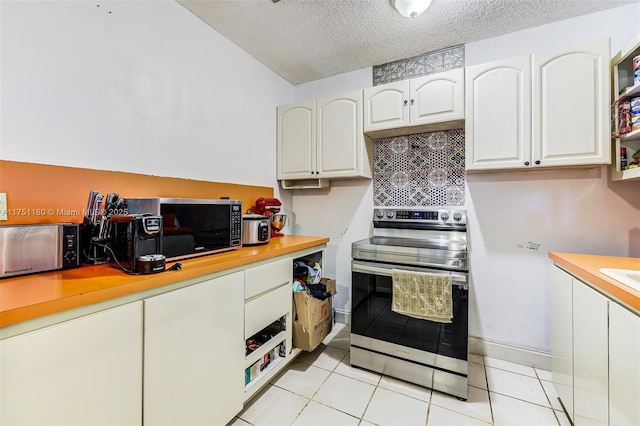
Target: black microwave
{"points": [[193, 227]]}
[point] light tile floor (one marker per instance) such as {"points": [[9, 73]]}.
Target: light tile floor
{"points": [[320, 388]]}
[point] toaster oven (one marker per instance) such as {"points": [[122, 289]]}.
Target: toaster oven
{"points": [[26, 249]]}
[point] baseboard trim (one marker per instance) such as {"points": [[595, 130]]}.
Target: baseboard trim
{"points": [[479, 346], [517, 354], [342, 317]]}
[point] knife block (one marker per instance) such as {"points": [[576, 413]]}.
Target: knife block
{"points": [[92, 253]]}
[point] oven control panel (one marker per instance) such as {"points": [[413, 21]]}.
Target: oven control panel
{"points": [[436, 215]]}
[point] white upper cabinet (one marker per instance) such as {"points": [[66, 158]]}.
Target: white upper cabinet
{"points": [[436, 98], [543, 110], [296, 140], [340, 138], [386, 106], [430, 99], [322, 139], [498, 115], [570, 103]]}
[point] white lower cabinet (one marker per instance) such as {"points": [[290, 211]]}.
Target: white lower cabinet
{"points": [[176, 358], [268, 300], [85, 371], [595, 345], [624, 366], [562, 337], [194, 352], [590, 356]]}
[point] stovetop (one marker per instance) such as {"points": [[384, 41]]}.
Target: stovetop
{"points": [[430, 237]]}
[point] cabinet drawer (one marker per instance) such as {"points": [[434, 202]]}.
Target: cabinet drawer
{"points": [[265, 309], [265, 277]]}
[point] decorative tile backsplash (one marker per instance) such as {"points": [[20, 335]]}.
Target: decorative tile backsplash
{"points": [[418, 66], [426, 169]]}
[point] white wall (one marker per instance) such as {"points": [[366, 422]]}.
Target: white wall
{"points": [[515, 218], [136, 86]]}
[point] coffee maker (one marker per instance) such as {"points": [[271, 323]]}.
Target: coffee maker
{"points": [[270, 207]]}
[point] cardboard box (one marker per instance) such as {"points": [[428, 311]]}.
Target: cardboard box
{"points": [[312, 320], [331, 285]]}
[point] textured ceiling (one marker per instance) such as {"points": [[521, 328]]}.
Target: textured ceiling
{"points": [[305, 40]]}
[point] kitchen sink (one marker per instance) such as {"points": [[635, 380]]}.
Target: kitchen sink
{"points": [[628, 277]]}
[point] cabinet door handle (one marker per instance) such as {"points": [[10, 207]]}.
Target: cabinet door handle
{"points": [[526, 163], [411, 101], [405, 102], [537, 162]]}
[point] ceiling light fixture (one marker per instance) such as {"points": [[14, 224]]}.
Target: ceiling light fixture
{"points": [[410, 8]]}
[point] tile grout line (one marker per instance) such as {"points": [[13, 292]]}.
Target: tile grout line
{"points": [[486, 380], [316, 392], [548, 399]]}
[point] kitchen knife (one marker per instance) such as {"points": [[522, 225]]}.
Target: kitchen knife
{"points": [[110, 203], [88, 213], [97, 208]]}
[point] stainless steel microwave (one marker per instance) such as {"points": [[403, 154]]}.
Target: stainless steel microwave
{"points": [[193, 227]]}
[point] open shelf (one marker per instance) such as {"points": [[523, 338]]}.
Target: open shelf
{"points": [[269, 345], [624, 89], [304, 183], [630, 92], [263, 373], [632, 136], [269, 373]]}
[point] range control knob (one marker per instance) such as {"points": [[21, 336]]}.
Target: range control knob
{"points": [[390, 214], [444, 216], [379, 214], [457, 216]]}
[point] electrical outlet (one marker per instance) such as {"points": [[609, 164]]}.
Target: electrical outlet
{"points": [[3, 206]]}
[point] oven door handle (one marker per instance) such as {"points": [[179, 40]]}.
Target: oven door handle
{"points": [[387, 271]]}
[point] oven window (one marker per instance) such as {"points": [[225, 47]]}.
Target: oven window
{"points": [[371, 316]]}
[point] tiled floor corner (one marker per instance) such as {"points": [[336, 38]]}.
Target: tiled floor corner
{"points": [[321, 388]]}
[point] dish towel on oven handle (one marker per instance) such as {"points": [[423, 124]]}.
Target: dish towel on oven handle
{"points": [[423, 295]]}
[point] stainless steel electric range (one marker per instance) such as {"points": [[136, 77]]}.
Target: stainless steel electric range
{"points": [[429, 353]]}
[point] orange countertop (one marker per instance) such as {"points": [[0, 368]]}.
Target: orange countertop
{"points": [[586, 267], [33, 296]]}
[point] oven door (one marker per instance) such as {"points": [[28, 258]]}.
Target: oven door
{"points": [[374, 325]]}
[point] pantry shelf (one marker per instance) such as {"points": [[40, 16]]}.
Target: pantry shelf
{"points": [[625, 90]]}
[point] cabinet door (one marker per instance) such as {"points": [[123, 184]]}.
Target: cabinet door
{"points": [[386, 106], [571, 106], [340, 138], [624, 368], [562, 336], [436, 98], [590, 356], [498, 115], [194, 353], [296, 140], [85, 371]]}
